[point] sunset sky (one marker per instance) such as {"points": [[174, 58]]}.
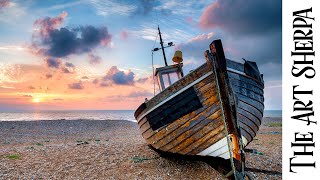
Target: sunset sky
{"points": [[91, 54]]}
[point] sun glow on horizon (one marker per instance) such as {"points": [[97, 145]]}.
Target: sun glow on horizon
{"points": [[36, 100]]}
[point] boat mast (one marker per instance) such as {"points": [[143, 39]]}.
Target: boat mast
{"points": [[161, 42]]}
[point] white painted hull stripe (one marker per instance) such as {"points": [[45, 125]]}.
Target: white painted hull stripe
{"points": [[175, 94], [214, 147], [219, 151]]}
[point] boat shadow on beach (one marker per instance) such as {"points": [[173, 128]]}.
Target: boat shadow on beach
{"points": [[221, 165]]}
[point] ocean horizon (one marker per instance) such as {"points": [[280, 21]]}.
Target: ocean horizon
{"points": [[29, 115]]}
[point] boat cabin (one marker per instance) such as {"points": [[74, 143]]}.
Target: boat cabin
{"points": [[168, 75]]}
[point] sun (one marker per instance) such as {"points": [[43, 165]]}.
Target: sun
{"points": [[36, 100]]}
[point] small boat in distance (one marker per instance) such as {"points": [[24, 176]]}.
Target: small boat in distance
{"points": [[215, 110]]}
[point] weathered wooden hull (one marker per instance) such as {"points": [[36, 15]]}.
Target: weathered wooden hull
{"points": [[188, 119], [250, 100]]}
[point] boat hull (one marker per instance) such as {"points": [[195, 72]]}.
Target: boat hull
{"points": [[189, 120], [249, 93]]}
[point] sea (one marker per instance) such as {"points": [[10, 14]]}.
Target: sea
{"points": [[86, 115], [68, 115]]}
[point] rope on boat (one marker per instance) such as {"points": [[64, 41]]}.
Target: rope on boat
{"points": [[154, 81]]}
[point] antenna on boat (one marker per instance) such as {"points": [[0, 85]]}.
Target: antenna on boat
{"points": [[161, 43]]}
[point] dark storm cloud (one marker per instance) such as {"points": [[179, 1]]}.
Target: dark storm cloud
{"points": [[77, 85], [248, 29], [50, 40], [119, 77], [122, 78], [243, 16], [265, 50], [53, 62], [63, 42]]}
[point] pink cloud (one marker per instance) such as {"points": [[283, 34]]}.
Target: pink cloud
{"points": [[208, 14], [4, 3], [124, 35], [48, 24]]}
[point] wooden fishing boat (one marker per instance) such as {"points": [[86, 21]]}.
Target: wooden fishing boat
{"points": [[215, 110]]}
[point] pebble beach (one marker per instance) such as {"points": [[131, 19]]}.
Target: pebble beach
{"points": [[114, 149]]}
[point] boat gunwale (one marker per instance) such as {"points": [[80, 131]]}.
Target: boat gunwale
{"points": [[174, 94]]}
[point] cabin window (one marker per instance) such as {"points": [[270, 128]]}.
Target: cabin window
{"points": [[170, 78], [168, 75]]}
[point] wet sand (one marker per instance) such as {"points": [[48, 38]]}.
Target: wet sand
{"points": [[84, 149]]}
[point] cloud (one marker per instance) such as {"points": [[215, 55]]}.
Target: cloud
{"points": [[77, 85], [103, 84], [48, 76], [119, 77], [93, 59], [31, 87], [143, 93], [54, 42], [248, 29], [64, 42], [4, 3], [145, 7], [58, 99], [142, 80], [68, 64], [68, 68], [95, 81], [243, 16], [195, 47], [111, 7], [124, 35], [53, 62], [26, 95], [145, 80], [47, 24], [85, 77], [12, 13]]}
